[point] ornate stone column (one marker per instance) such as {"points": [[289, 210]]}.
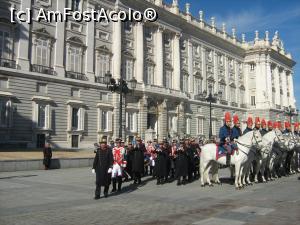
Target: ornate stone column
{"points": [[143, 114], [190, 65], [277, 85], [181, 126], [117, 49], [163, 120], [292, 94], [176, 61], [60, 47], [284, 87], [159, 58], [139, 52], [90, 42]]}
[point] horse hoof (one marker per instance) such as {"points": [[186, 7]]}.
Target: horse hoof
{"points": [[211, 185], [202, 185]]}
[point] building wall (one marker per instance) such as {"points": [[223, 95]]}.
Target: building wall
{"points": [[178, 43]]}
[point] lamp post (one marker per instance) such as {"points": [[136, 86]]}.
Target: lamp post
{"points": [[290, 112], [121, 87], [211, 99]]}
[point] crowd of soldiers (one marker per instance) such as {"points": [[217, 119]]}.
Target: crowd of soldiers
{"points": [[116, 162], [166, 161]]}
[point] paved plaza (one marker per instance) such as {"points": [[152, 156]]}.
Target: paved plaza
{"points": [[66, 197]]}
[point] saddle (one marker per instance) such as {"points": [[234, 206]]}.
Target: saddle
{"points": [[224, 149]]}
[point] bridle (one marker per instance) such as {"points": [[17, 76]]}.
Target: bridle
{"points": [[250, 146]]}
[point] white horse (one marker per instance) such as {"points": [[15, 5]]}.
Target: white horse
{"points": [[263, 157], [238, 159]]}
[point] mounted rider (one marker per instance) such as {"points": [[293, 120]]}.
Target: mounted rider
{"points": [[236, 130], [288, 128], [249, 125], [257, 124], [263, 130], [270, 125], [225, 135]]}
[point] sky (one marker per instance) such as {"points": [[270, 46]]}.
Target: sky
{"points": [[250, 15]]}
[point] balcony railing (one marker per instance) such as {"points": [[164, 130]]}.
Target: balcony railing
{"points": [[8, 63], [243, 105], [42, 69], [278, 107], [99, 80], [76, 75], [223, 102], [234, 104]]}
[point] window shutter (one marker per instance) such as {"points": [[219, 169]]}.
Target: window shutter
{"points": [[35, 114], [69, 117], [81, 118]]}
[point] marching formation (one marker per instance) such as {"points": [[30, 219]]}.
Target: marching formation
{"points": [[267, 150]]}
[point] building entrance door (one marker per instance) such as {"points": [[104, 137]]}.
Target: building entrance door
{"points": [[40, 140], [75, 139]]}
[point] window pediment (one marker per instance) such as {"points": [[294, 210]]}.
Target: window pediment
{"points": [[198, 74], [168, 66], [42, 32], [128, 55], [104, 49], [185, 72], [211, 79], [76, 103], [150, 61], [242, 87], [222, 81], [76, 41], [232, 85], [42, 99]]}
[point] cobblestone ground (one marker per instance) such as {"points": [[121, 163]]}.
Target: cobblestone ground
{"points": [[66, 197]]}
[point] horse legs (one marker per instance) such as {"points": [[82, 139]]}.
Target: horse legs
{"points": [[215, 173], [202, 168], [263, 167], [237, 174], [258, 166], [207, 174]]}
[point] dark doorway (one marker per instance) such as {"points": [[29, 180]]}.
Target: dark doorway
{"points": [[75, 139], [40, 140]]}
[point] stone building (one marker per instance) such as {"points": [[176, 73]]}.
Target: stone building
{"points": [[52, 75]]}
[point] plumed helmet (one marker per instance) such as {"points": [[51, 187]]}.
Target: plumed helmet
{"points": [[227, 117], [236, 119]]}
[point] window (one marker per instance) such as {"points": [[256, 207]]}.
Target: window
{"points": [[41, 88], [196, 50], [3, 83], [75, 112], [253, 100], [182, 45], [103, 96], [129, 69], [104, 120], [41, 116], [104, 64], [242, 96], [75, 5], [75, 92], [223, 90], [148, 33], [213, 126], [188, 125], [209, 70], [232, 94], [197, 85], [172, 123], [252, 66], [128, 26], [185, 83], [132, 121], [199, 109], [167, 39], [103, 35], [5, 106], [169, 79], [200, 122], [4, 44], [221, 60], [150, 75], [75, 58]]}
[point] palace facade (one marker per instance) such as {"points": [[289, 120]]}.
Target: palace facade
{"points": [[52, 75]]}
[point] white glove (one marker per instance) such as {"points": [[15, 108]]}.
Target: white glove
{"points": [[109, 170], [93, 171]]}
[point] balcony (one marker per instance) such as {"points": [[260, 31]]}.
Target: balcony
{"points": [[223, 102], [100, 80], [234, 104], [42, 69], [278, 107], [8, 63], [243, 105], [76, 75]]}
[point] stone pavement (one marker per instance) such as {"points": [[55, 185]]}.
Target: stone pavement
{"points": [[66, 197]]}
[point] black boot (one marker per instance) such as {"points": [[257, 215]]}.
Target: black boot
{"points": [[158, 181], [179, 181], [114, 181], [119, 183]]}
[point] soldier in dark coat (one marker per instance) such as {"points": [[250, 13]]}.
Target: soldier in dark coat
{"points": [[47, 156], [128, 158], [263, 130], [190, 151], [160, 164], [138, 161], [102, 165], [181, 164], [249, 125]]}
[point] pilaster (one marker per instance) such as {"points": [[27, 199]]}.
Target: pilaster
{"points": [[117, 49], [159, 60], [139, 52], [90, 43], [176, 61]]}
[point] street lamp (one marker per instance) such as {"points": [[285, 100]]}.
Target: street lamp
{"points": [[120, 86], [211, 99], [289, 111]]}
